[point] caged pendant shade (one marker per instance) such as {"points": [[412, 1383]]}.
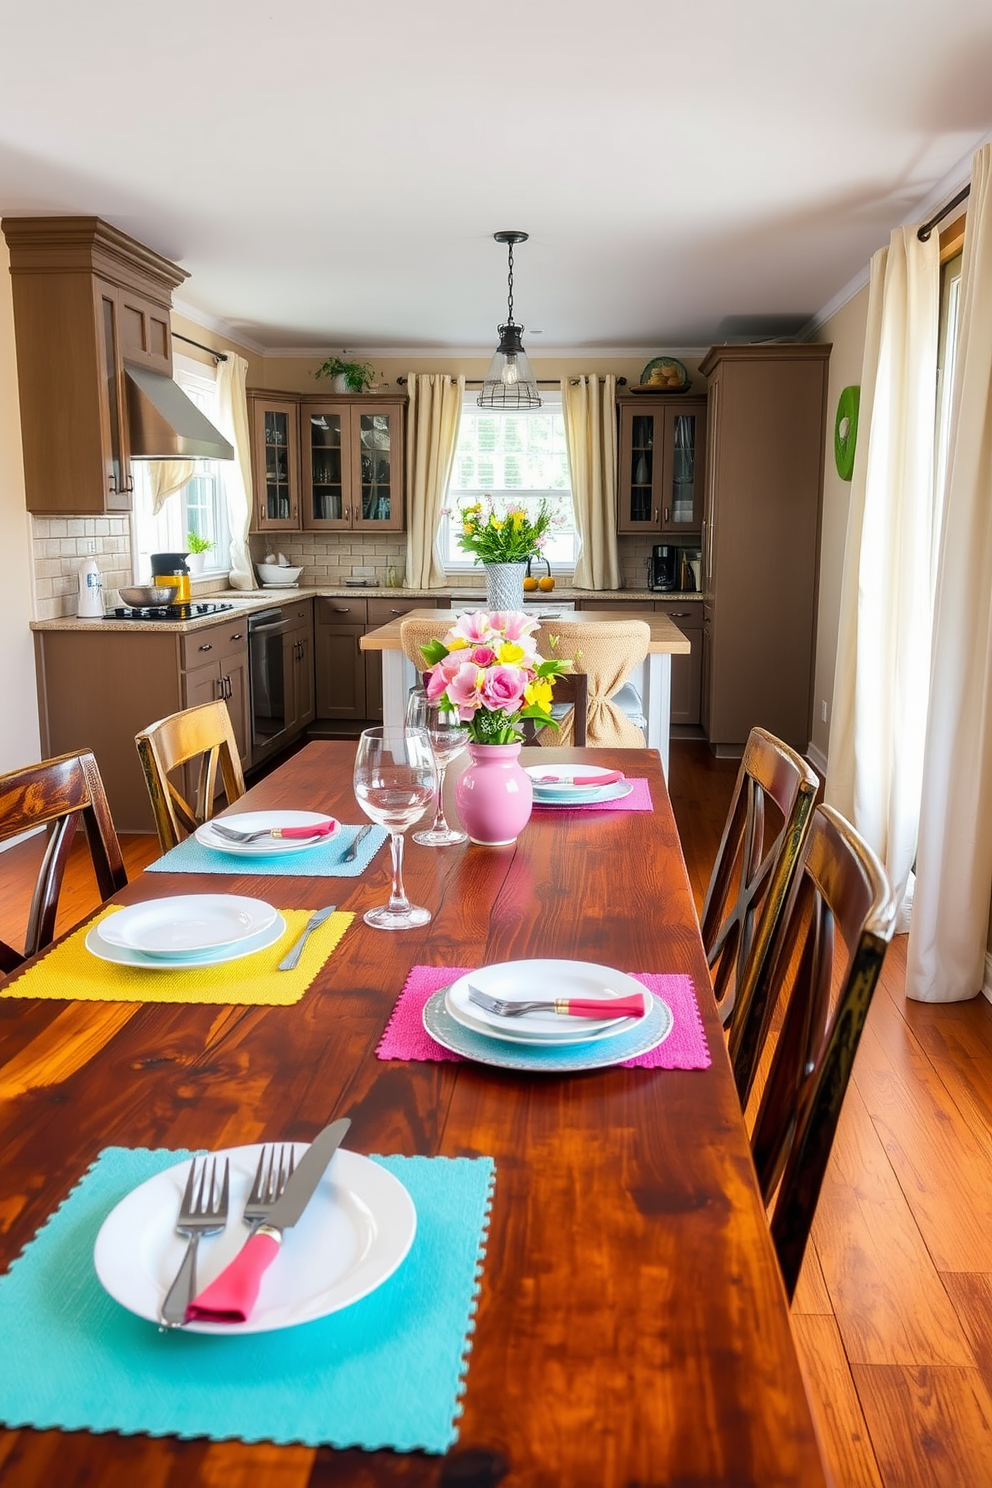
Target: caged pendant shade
{"points": [[510, 384]]}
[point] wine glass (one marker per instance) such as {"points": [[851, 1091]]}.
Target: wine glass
{"points": [[394, 785], [447, 740]]}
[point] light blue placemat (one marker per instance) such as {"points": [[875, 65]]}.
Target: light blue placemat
{"points": [[323, 861], [387, 1372]]}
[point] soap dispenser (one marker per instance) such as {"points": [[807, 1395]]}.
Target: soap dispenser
{"points": [[90, 604]]}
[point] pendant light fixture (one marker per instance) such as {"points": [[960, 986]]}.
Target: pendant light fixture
{"points": [[509, 383]]}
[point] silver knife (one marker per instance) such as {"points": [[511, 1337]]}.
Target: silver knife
{"points": [[357, 840], [292, 956], [231, 1297]]}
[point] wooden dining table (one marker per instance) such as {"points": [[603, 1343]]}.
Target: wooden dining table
{"points": [[632, 1328]]}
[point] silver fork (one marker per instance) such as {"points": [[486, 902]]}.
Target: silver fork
{"points": [[202, 1211], [504, 1009], [271, 1177], [233, 835]]}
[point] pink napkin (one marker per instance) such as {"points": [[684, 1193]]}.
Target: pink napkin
{"points": [[684, 1048], [638, 800]]}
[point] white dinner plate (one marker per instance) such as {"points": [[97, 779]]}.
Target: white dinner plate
{"points": [[548, 795], [259, 821], [563, 791], [351, 1237], [548, 1059], [516, 1030], [124, 956], [520, 981], [183, 923]]}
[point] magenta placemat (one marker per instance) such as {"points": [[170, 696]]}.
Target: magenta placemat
{"points": [[638, 800], [685, 1047]]}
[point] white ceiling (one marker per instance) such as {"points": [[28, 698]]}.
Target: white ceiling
{"points": [[331, 173]]}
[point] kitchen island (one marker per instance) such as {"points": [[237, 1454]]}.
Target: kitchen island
{"points": [[655, 682]]}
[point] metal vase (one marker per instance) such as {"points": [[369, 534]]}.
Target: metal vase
{"points": [[505, 585]]}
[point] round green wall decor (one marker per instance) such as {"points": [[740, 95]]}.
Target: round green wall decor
{"points": [[846, 431]]}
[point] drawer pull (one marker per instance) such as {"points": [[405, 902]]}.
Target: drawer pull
{"points": [[207, 647], [236, 636]]}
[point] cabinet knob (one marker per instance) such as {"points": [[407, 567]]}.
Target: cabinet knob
{"points": [[207, 647], [236, 636]]}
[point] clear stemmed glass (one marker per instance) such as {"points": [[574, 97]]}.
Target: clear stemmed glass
{"points": [[394, 785], [447, 740]]}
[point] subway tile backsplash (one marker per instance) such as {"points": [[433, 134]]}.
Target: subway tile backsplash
{"points": [[60, 543]]}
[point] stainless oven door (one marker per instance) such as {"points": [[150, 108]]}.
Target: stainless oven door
{"points": [[267, 679]]}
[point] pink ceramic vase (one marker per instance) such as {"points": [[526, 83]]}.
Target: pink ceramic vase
{"points": [[494, 794]]}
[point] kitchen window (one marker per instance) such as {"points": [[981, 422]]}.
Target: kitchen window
{"points": [[200, 506], [514, 457]]}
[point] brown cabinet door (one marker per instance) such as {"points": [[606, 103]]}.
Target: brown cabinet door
{"points": [[144, 331], [326, 452], [682, 493], [377, 466], [340, 671], [276, 463], [640, 483], [234, 674], [660, 479], [687, 671], [118, 481]]}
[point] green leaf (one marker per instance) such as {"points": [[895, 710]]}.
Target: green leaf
{"points": [[434, 652]]}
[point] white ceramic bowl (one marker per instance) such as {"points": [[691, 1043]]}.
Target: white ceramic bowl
{"points": [[274, 574]]}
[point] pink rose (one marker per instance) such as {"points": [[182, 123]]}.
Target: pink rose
{"points": [[503, 688], [484, 656], [441, 673], [464, 689], [474, 628], [516, 624]]}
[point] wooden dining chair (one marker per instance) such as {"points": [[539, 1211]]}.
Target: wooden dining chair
{"points": [[200, 739], [769, 815], [58, 794], [829, 948]]}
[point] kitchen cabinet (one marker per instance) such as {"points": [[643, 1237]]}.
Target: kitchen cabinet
{"points": [[662, 454], [348, 679], [100, 687], [328, 464], [86, 298], [766, 438]]}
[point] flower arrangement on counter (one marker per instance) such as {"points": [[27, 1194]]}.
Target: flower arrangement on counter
{"points": [[487, 670], [503, 536]]}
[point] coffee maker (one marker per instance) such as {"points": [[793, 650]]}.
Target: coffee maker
{"points": [[663, 570]]}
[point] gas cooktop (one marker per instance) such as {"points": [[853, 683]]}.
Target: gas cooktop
{"points": [[167, 612]]}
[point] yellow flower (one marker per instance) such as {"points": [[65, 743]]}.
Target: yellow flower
{"points": [[468, 528], [496, 526], [508, 653], [539, 692], [518, 520], [458, 643]]}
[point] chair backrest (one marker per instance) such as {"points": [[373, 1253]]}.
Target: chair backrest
{"points": [[201, 735], [829, 948], [568, 689], [766, 824], [606, 652], [58, 794]]}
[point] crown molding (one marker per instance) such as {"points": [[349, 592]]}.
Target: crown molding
{"points": [[484, 353], [219, 327]]}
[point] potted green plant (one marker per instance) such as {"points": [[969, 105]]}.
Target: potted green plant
{"points": [[349, 377], [198, 548]]}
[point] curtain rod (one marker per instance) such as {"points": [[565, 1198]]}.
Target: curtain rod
{"points": [[541, 382], [220, 355], [928, 227]]}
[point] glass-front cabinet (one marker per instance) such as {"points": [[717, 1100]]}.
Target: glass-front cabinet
{"points": [[335, 463], [276, 463], [662, 441], [353, 465]]}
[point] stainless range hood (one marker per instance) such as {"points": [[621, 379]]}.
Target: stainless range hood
{"points": [[163, 424]]}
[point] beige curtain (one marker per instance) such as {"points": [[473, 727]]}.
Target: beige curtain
{"points": [[589, 409], [433, 416], [165, 478], [947, 943], [883, 648], [232, 421]]}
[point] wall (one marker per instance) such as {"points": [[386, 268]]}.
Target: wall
{"points": [[846, 332], [19, 731]]}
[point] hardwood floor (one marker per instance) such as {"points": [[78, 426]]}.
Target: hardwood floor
{"points": [[893, 1313]]}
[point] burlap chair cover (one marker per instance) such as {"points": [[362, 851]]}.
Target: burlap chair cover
{"points": [[607, 651], [416, 633]]}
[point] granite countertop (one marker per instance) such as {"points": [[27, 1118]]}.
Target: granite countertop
{"points": [[259, 599]]}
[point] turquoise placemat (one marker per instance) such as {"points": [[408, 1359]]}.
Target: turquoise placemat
{"points": [[387, 1372], [323, 861]]}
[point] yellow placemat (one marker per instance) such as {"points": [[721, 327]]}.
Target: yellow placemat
{"points": [[69, 971]]}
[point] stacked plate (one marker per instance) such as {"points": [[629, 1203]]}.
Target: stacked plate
{"points": [[266, 821], [186, 930], [576, 785], [546, 1041]]}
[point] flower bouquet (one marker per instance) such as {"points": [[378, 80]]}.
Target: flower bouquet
{"points": [[487, 670], [509, 536]]}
